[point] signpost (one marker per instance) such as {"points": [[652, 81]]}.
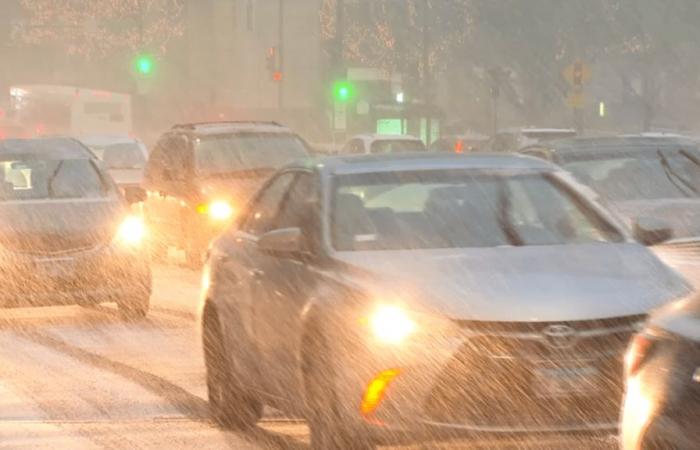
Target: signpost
{"points": [[577, 74]]}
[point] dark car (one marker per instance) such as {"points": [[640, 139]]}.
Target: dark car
{"points": [[641, 177], [199, 175], [662, 402], [66, 236], [425, 296]]}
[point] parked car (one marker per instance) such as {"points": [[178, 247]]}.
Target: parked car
{"points": [[396, 297], [655, 177], [123, 157], [366, 144], [65, 230], [460, 143], [513, 139], [199, 175], [663, 381]]}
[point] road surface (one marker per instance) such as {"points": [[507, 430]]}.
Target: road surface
{"points": [[79, 378]]}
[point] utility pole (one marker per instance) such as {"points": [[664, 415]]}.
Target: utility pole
{"points": [[338, 57], [280, 56], [427, 82]]}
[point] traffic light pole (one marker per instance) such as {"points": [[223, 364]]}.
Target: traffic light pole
{"points": [[280, 55]]}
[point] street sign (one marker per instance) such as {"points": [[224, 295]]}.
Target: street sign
{"points": [[575, 99], [340, 116], [577, 74]]}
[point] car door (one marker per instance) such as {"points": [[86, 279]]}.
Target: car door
{"points": [[153, 183], [284, 285], [175, 189], [236, 275]]}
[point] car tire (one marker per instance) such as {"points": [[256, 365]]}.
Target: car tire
{"points": [[326, 427], [134, 308], [230, 407]]}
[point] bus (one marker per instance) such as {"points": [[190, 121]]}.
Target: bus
{"points": [[68, 110]]}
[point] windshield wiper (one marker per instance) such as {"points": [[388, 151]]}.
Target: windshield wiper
{"points": [[50, 180], [671, 174], [692, 157], [504, 220]]}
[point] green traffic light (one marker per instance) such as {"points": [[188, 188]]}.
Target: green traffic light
{"points": [[144, 64], [343, 91]]}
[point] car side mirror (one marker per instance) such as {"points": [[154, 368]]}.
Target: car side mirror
{"points": [[134, 194], [285, 241], [649, 231]]}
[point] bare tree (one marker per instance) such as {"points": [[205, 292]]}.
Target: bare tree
{"points": [[96, 28]]}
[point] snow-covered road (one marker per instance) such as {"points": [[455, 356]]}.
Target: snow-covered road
{"points": [[79, 378]]}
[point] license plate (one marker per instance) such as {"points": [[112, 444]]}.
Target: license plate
{"points": [[565, 381], [55, 267]]}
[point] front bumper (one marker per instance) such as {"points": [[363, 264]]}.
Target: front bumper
{"points": [[105, 273], [487, 384]]}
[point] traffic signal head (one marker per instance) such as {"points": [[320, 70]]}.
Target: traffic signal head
{"points": [[144, 64], [343, 91]]}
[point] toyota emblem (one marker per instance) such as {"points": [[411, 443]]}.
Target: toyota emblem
{"points": [[560, 336]]}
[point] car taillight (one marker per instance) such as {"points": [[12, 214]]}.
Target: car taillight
{"points": [[638, 351]]}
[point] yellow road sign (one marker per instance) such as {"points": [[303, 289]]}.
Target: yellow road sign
{"points": [[577, 73], [576, 100]]}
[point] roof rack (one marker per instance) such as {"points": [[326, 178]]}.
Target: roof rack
{"points": [[194, 125]]}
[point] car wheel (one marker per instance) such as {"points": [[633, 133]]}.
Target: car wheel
{"points": [[325, 425], [135, 307], [230, 407]]}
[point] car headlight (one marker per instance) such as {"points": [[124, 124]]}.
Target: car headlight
{"points": [[218, 210], [132, 231], [391, 324]]}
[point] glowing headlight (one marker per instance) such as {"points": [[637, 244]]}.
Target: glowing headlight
{"points": [[131, 231], [217, 210], [391, 324]]}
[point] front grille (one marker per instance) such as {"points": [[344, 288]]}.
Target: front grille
{"points": [[492, 381]]}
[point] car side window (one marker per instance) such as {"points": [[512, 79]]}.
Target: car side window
{"points": [[264, 209], [300, 210], [178, 161], [356, 147], [297, 208], [156, 163]]}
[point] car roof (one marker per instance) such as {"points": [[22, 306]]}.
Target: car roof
{"points": [[393, 162], [107, 140], [231, 127], [623, 143], [46, 148], [385, 137]]}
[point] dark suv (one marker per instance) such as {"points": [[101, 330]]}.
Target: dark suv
{"points": [[198, 175]]}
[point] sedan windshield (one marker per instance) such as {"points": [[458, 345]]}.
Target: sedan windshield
{"points": [[246, 151], [643, 176], [456, 209], [126, 155], [397, 146], [51, 179]]}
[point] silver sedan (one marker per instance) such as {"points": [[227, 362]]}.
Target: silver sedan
{"points": [[400, 298]]}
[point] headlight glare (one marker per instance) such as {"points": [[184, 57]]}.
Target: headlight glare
{"points": [[218, 210], [131, 231], [391, 324]]}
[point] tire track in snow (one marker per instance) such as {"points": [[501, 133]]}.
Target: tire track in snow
{"points": [[188, 404]]}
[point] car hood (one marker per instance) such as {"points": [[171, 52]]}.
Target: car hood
{"points": [[55, 226], [683, 215], [235, 188], [535, 283]]}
